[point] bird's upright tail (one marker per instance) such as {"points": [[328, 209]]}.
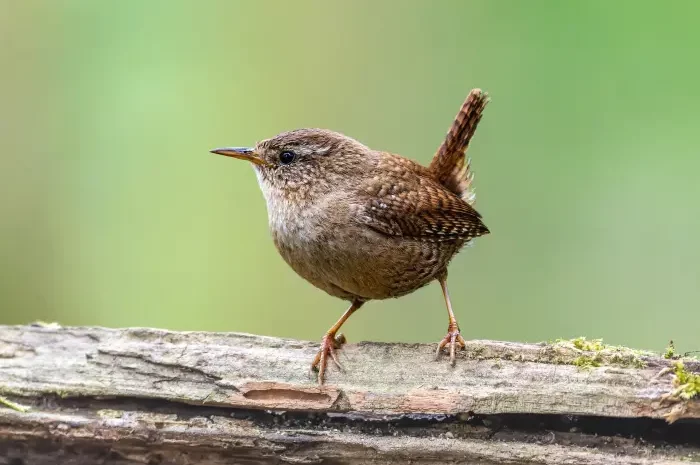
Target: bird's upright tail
{"points": [[450, 165]]}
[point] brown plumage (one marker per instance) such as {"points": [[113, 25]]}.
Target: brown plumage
{"points": [[363, 224], [450, 166]]}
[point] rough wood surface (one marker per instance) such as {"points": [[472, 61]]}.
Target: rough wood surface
{"points": [[154, 396]]}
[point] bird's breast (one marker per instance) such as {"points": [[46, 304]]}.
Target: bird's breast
{"points": [[325, 246], [308, 238]]}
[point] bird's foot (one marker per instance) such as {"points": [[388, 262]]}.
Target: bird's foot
{"points": [[329, 344], [454, 340]]}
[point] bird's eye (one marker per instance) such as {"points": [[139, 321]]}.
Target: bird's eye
{"points": [[287, 157]]}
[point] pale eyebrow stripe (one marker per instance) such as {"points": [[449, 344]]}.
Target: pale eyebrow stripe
{"points": [[309, 150]]}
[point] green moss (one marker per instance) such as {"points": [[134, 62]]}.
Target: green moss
{"points": [[687, 383], [596, 354], [13, 405], [594, 345], [581, 343], [627, 360], [586, 362], [670, 351], [44, 324]]}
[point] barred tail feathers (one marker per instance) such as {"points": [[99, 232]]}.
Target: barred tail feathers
{"points": [[450, 165]]}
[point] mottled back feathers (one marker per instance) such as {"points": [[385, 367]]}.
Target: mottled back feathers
{"points": [[407, 201]]}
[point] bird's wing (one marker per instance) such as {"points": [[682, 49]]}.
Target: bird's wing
{"points": [[450, 166], [418, 207]]}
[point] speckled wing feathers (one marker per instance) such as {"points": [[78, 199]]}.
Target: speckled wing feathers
{"points": [[450, 166], [406, 201]]}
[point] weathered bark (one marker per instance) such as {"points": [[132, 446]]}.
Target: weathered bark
{"points": [[152, 396]]}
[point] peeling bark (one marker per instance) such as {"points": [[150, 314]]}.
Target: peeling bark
{"points": [[129, 396]]}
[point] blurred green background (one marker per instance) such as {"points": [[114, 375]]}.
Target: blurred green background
{"points": [[114, 213]]}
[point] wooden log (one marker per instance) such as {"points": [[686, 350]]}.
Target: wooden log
{"points": [[124, 396]]}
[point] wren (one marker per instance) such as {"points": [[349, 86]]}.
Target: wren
{"points": [[363, 224]]}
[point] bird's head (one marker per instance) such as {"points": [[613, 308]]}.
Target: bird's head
{"points": [[303, 162]]}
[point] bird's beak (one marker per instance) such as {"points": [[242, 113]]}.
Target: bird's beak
{"points": [[242, 153]]}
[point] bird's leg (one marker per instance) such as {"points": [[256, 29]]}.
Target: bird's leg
{"points": [[329, 343], [453, 338]]}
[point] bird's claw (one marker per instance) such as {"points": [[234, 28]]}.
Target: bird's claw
{"points": [[454, 339], [329, 344]]}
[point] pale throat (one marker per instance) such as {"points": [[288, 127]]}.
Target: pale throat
{"points": [[294, 219]]}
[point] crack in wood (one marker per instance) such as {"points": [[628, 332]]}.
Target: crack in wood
{"points": [[117, 359]]}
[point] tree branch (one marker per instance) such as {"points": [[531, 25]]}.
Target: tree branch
{"points": [[154, 396]]}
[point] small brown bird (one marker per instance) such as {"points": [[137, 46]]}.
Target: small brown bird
{"points": [[362, 224]]}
